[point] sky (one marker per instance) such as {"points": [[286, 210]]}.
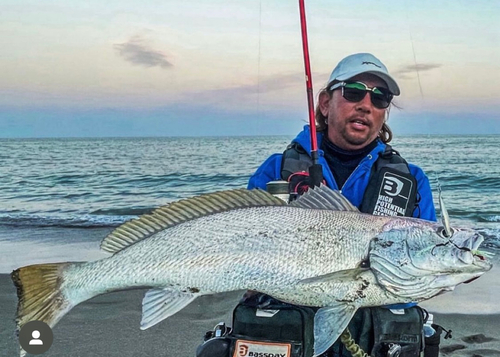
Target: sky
{"points": [[209, 67]]}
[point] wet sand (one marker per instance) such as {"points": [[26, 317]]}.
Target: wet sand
{"points": [[108, 325]]}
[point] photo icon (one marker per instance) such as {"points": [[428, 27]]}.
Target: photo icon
{"points": [[36, 337]]}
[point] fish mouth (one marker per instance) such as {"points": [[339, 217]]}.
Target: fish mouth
{"points": [[481, 261], [470, 254]]}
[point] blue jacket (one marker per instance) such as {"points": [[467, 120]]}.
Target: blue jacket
{"points": [[355, 186]]}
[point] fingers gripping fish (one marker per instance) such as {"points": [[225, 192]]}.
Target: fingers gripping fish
{"points": [[318, 251]]}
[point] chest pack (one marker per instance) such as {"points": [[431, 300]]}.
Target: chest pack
{"points": [[397, 333], [391, 191], [284, 330], [276, 330]]}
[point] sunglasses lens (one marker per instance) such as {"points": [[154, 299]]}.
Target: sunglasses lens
{"points": [[381, 101], [355, 92]]}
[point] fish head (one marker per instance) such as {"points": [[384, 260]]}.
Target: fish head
{"points": [[420, 259]]}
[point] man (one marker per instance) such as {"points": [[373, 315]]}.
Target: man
{"points": [[351, 117], [352, 134]]}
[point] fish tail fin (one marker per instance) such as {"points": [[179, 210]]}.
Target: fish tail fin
{"points": [[39, 294]]}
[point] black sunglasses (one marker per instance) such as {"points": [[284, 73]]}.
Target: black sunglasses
{"points": [[356, 91]]}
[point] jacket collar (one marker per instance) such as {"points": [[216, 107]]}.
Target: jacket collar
{"points": [[303, 139]]}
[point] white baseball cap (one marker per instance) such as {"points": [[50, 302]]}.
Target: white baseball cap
{"points": [[363, 63]]}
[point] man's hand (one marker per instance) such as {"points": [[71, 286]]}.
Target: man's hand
{"points": [[298, 183]]}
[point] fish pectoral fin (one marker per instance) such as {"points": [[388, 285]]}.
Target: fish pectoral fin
{"points": [[338, 276], [158, 304], [329, 323]]}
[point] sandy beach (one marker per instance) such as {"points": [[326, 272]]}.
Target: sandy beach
{"points": [[108, 325]]}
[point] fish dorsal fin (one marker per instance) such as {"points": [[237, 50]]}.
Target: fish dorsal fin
{"points": [[324, 197], [185, 210]]}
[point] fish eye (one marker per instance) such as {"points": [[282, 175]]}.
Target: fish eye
{"points": [[442, 232]]}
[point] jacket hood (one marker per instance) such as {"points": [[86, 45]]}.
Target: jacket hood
{"points": [[304, 138]]}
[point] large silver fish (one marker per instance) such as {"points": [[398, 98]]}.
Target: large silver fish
{"points": [[318, 251]]}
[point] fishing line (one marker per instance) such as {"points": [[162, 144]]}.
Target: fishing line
{"points": [[413, 50], [416, 65]]}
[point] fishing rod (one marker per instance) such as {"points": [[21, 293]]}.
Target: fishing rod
{"points": [[315, 171]]}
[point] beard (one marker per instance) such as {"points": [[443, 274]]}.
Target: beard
{"points": [[357, 138]]}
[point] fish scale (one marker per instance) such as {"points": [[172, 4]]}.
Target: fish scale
{"points": [[287, 238], [318, 251]]}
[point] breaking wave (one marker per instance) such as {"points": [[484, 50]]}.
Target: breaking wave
{"points": [[89, 221]]}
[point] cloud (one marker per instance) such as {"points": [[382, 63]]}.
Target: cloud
{"points": [[403, 72], [266, 85], [138, 52]]}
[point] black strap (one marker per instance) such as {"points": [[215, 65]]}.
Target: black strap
{"points": [[392, 189], [295, 159]]}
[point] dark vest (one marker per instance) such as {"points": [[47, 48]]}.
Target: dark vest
{"points": [[391, 191]]}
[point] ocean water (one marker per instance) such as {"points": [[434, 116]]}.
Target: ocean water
{"points": [[60, 197], [89, 183], [104, 182]]}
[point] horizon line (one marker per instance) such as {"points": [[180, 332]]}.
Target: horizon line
{"points": [[214, 136]]}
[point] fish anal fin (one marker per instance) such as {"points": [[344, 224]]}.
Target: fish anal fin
{"points": [[329, 323], [158, 304]]}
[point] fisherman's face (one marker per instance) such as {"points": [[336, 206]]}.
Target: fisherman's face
{"points": [[352, 126]]}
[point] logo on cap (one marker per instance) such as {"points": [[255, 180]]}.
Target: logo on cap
{"points": [[376, 65]]}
